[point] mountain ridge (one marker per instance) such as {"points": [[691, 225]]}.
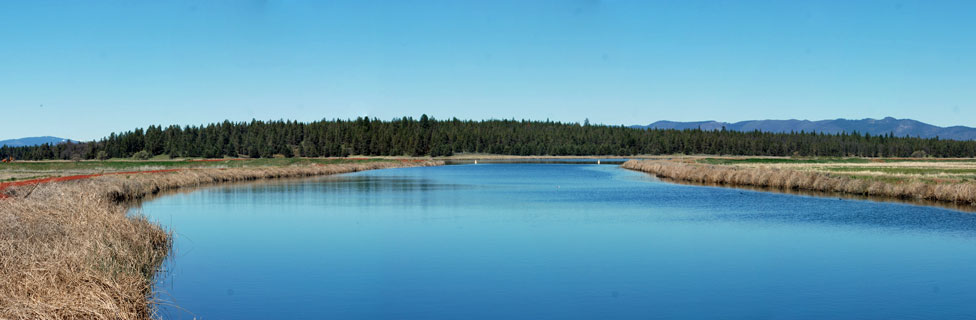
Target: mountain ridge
{"points": [[32, 141], [898, 127]]}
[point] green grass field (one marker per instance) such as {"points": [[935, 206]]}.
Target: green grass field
{"points": [[825, 160], [27, 170], [780, 160], [891, 170], [135, 164]]}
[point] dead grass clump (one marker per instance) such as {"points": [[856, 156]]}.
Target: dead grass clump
{"points": [[75, 256], [791, 179], [68, 250]]}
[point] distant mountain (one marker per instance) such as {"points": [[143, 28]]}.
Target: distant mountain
{"points": [[32, 141], [899, 127]]}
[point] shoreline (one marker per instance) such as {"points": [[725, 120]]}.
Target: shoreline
{"points": [[962, 194], [70, 249]]}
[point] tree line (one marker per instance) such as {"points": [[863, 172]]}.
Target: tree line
{"points": [[430, 137]]}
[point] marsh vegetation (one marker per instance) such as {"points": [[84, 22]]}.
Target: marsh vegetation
{"points": [[940, 180], [68, 250]]}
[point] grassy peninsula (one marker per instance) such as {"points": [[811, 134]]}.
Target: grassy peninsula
{"points": [[944, 180], [68, 250]]}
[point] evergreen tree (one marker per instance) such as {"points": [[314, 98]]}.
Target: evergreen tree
{"points": [[428, 136]]}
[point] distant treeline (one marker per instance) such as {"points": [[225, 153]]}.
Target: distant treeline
{"points": [[430, 137]]}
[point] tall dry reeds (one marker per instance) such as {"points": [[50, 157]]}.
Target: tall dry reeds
{"points": [[69, 250], [777, 178]]}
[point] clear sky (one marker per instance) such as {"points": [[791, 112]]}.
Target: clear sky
{"points": [[83, 69]]}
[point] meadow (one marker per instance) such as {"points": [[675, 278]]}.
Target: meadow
{"points": [[946, 180], [929, 170], [20, 170]]}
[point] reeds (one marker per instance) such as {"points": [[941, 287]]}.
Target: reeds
{"points": [[787, 179], [68, 250]]}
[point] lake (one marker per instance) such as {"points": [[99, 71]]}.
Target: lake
{"points": [[554, 241]]}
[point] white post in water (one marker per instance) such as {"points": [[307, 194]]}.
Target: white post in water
{"points": [[597, 161], [476, 162]]}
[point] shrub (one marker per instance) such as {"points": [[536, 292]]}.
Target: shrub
{"points": [[101, 155], [142, 155]]}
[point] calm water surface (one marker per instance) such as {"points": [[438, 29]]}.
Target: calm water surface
{"points": [[563, 241]]}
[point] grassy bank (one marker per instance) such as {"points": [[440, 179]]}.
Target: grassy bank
{"points": [[69, 251], [21, 170], [947, 181], [895, 170]]}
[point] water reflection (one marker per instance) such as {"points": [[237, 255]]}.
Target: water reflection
{"points": [[841, 196], [528, 241]]}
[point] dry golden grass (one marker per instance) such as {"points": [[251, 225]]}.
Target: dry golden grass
{"points": [[797, 179], [69, 251], [933, 171]]}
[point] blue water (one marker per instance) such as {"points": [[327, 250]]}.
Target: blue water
{"points": [[555, 241]]}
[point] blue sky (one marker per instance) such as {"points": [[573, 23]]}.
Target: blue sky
{"points": [[82, 69]]}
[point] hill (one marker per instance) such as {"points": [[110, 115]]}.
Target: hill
{"points": [[32, 141], [898, 127]]}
